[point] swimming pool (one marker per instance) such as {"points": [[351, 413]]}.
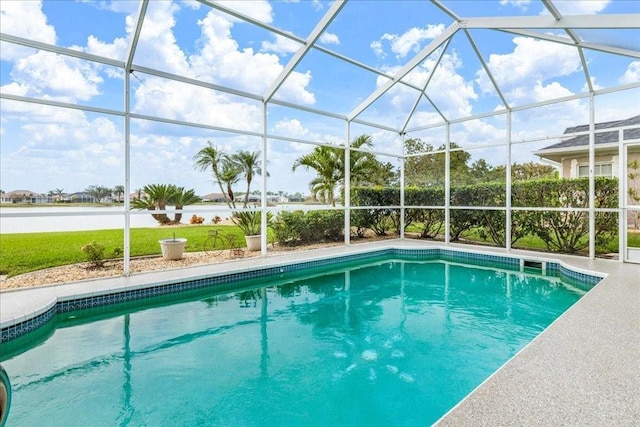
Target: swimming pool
{"points": [[394, 339]]}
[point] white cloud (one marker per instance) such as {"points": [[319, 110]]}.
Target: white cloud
{"points": [[180, 101], [377, 48], [51, 140], [531, 61], [158, 47], [25, 19], [39, 73], [520, 4], [62, 78], [127, 7], [116, 49], [221, 61], [257, 9], [293, 128], [448, 89], [329, 38], [632, 73], [581, 7], [554, 90], [282, 45], [410, 41]]}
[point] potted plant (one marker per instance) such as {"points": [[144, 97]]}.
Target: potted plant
{"points": [[250, 224], [172, 248]]}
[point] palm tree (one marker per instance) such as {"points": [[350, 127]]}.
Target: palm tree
{"points": [[363, 166], [214, 158], [58, 192], [327, 162], [248, 161], [181, 198], [157, 197], [229, 175], [118, 191]]}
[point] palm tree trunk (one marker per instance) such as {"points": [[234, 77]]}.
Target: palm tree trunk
{"points": [[246, 195], [231, 200]]}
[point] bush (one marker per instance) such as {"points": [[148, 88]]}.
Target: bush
{"points": [[566, 231], [380, 220], [96, 253], [298, 227]]}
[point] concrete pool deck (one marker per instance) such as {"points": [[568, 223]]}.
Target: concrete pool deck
{"points": [[582, 370]]}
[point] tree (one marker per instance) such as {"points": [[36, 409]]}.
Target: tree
{"points": [[182, 198], [158, 196], [211, 157], [365, 168], [98, 192], [427, 170], [230, 175], [481, 171], [248, 162], [530, 170], [118, 191], [422, 170], [57, 193], [329, 164]]}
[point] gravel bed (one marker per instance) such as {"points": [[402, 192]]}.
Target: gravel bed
{"points": [[84, 271]]}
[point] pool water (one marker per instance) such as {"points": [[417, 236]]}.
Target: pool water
{"points": [[388, 343]]}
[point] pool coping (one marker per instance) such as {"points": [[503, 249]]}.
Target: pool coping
{"points": [[570, 374]]}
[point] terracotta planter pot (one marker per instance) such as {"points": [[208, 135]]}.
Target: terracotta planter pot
{"points": [[172, 249]]}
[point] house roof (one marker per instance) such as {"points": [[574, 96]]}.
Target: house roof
{"points": [[20, 193], [600, 137], [213, 196]]}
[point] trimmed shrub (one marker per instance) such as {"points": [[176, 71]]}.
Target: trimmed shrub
{"points": [[298, 227]]}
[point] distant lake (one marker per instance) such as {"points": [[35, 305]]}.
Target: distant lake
{"points": [[76, 218]]}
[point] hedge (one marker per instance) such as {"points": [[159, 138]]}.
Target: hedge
{"points": [[562, 231]]}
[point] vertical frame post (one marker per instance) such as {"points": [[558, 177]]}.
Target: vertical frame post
{"points": [[592, 191], [507, 225], [347, 184]]}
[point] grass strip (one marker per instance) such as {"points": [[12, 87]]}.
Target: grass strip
{"points": [[24, 252]]}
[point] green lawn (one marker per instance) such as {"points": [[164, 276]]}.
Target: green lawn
{"points": [[24, 252]]}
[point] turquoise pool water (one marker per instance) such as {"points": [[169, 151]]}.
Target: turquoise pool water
{"points": [[388, 343]]}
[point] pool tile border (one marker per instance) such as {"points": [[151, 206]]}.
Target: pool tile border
{"points": [[583, 280]]}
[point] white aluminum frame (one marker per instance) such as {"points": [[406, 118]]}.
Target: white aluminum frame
{"points": [[520, 25]]}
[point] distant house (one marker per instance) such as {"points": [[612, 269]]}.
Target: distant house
{"points": [[25, 196], [137, 195], [213, 197], [82, 197], [571, 154]]}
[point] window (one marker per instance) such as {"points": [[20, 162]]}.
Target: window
{"points": [[605, 169]]}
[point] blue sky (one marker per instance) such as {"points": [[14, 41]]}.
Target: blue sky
{"points": [[44, 147]]}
